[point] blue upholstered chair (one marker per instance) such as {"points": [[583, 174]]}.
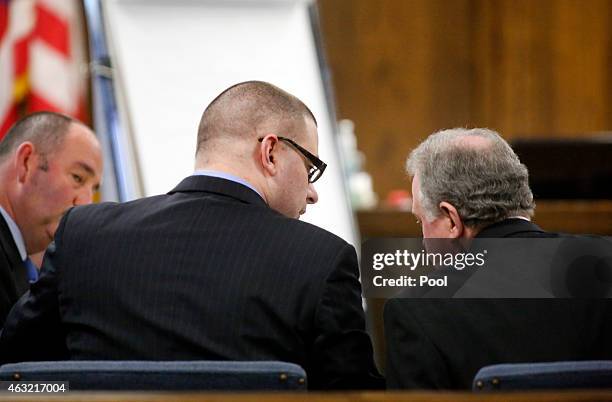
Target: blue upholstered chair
{"points": [[162, 375], [555, 375]]}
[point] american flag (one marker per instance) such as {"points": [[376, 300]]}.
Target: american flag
{"points": [[42, 59]]}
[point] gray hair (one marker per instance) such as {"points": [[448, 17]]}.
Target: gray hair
{"points": [[485, 183], [46, 130]]}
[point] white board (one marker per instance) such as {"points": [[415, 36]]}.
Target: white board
{"points": [[172, 57]]}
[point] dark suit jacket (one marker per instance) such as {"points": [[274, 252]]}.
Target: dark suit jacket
{"points": [[441, 344], [13, 276], [207, 271]]}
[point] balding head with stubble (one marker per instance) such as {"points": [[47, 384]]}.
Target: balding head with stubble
{"points": [[244, 132], [243, 113]]}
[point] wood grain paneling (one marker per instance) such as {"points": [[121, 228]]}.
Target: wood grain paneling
{"points": [[405, 68], [391, 74]]}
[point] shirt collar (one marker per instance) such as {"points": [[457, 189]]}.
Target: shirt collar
{"points": [[16, 233], [520, 217], [226, 176]]}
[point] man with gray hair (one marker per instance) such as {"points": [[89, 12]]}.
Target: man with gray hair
{"points": [[48, 163], [466, 184], [465, 180]]}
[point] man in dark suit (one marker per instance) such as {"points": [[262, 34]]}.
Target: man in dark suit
{"points": [[48, 163], [470, 184], [219, 268]]}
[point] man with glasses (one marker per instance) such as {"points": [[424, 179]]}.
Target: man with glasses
{"points": [[217, 269]]}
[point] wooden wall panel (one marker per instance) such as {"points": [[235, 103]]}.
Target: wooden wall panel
{"points": [[543, 67], [391, 74], [583, 57], [405, 68], [512, 80]]}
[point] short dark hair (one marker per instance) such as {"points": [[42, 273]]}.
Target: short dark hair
{"points": [[46, 130], [242, 108]]}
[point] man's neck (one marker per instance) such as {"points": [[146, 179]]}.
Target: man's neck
{"points": [[224, 172], [5, 199], [15, 232], [241, 168]]}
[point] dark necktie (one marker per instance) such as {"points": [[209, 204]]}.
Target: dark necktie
{"points": [[31, 270]]}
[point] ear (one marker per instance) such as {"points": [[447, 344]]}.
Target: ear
{"points": [[455, 224], [25, 161], [266, 154]]}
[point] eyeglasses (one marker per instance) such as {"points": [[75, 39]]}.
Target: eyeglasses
{"points": [[317, 166]]}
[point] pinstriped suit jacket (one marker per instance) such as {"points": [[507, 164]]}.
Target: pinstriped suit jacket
{"points": [[207, 271]]}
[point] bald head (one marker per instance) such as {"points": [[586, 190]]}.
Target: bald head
{"points": [[249, 109], [472, 139], [49, 163], [45, 130]]}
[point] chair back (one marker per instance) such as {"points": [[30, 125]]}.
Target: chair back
{"points": [[555, 375], [162, 375]]}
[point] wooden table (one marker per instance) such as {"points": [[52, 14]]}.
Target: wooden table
{"points": [[549, 396]]}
